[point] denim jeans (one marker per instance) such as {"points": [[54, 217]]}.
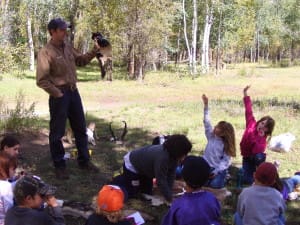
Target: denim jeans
{"points": [[68, 106], [133, 183], [238, 220], [218, 181], [292, 182], [249, 166]]}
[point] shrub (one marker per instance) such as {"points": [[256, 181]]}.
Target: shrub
{"points": [[15, 58], [284, 63], [20, 118]]}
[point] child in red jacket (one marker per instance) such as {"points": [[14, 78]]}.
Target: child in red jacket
{"points": [[254, 140]]}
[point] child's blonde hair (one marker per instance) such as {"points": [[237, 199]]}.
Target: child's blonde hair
{"points": [[113, 217], [228, 135]]}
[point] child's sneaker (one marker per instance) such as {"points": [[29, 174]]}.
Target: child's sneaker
{"points": [[276, 164], [293, 196]]}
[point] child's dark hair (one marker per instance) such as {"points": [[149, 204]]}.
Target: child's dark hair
{"points": [[6, 162], [9, 141], [228, 137], [177, 145], [269, 125], [278, 185]]}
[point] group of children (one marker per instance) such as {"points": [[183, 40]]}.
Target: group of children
{"points": [[197, 206], [261, 203]]}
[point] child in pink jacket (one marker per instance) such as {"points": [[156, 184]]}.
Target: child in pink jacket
{"points": [[254, 140]]}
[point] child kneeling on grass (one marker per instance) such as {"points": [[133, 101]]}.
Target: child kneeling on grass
{"points": [[109, 207], [261, 204], [29, 194], [196, 206]]}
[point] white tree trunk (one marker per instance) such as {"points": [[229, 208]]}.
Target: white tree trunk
{"points": [[185, 33], [5, 20], [218, 57], [194, 34], [205, 44], [30, 43]]}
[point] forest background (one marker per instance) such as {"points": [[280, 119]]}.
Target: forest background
{"points": [[150, 34]]}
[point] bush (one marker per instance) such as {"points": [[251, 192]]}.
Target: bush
{"points": [[296, 62], [284, 63], [20, 118], [15, 58]]}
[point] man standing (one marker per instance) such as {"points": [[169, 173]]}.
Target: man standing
{"points": [[56, 74]]}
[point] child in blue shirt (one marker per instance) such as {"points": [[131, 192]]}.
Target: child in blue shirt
{"points": [[196, 206]]}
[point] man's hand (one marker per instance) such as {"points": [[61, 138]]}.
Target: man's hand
{"points": [[96, 48]]}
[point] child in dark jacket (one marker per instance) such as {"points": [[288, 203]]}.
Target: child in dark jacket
{"points": [[110, 202], [254, 140], [153, 161], [196, 206]]}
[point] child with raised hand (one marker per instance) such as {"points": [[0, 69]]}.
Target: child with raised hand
{"points": [[261, 203], [110, 203], [254, 140], [8, 166], [219, 149], [196, 206]]}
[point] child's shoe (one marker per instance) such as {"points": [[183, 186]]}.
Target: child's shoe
{"points": [[293, 196]]}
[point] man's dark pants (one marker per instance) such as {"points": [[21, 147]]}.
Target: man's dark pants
{"points": [[69, 106]]}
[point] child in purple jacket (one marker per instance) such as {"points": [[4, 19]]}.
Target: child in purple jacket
{"points": [[196, 206], [254, 140]]}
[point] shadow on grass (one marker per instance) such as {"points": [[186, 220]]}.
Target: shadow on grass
{"points": [[83, 186], [108, 157]]}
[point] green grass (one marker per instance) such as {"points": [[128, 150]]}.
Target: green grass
{"points": [[168, 103]]}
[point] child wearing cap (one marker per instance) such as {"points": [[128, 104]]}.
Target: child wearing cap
{"points": [[110, 203], [196, 206], [261, 204], [29, 193]]}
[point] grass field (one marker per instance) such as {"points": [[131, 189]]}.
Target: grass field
{"points": [[168, 103]]}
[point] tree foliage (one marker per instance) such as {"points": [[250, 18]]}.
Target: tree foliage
{"points": [[147, 34]]}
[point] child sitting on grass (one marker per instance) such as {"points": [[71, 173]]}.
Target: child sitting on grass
{"points": [[288, 187], [261, 204], [10, 145], [109, 207], [196, 206], [254, 140], [29, 194], [8, 165], [219, 149]]}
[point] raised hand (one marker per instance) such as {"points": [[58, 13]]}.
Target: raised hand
{"points": [[246, 90], [205, 100]]}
